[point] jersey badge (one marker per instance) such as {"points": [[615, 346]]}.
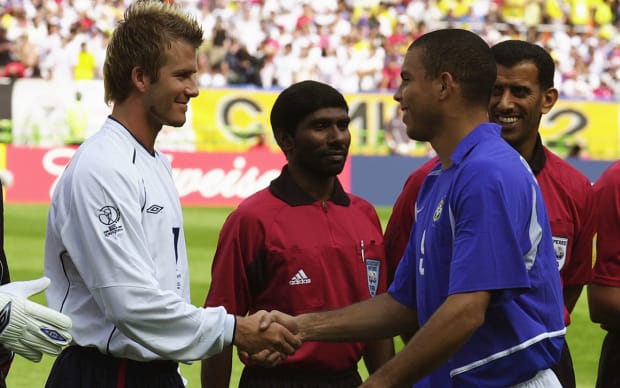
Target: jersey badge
{"points": [[110, 216], [438, 211], [560, 246], [373, 268]]}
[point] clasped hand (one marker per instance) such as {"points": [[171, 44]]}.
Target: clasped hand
{"points": [[273, 337]]}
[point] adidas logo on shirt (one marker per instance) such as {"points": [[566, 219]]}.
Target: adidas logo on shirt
{"points": [[300, 278]]}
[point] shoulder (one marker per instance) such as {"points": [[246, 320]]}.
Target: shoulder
{"points": [[563, 172], [610, 177], [259, 206]]}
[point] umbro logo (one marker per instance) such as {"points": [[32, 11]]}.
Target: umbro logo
{"points": [[154, 209], [300, 278]]}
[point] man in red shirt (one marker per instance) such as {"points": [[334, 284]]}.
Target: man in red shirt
{"points": [[604, 290], [523, 92], [303, 244]]}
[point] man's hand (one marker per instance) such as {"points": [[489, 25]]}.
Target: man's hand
{"points": [[250, 339], [27, 328], [281, 318]]}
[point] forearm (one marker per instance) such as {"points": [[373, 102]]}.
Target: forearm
{"points": [[378, 353], [215, 371], [435, 342], [376, 318]]}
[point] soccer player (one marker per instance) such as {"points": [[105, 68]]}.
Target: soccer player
{"points": [[302, 244], [523, 92], [115, 247], [478, 281], [604, 290], [26, 328]]}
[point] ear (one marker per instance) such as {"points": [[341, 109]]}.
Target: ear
{"points": [[284, 140], [550, 96], [445, 85], [138, 78]]}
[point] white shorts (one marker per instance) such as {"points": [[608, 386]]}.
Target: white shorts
{"points": [[543, 379]]}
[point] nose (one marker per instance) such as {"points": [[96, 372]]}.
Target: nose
{"points": [[191, 89], [504, 100], [398, 94]]}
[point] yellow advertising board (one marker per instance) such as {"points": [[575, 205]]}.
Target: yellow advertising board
{"points": [[593, 125], [232, 119]]}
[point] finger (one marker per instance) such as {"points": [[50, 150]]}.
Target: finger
{"points": [[41, 341], [27, 352], [259, 356], [267, 358], [47, 315], [288, 342], [265, 322], [25, 289]]}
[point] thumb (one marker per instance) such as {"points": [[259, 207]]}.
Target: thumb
{"points": [[25, 289], [265, 322]]}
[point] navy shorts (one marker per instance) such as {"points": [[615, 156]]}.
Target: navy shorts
{"points": [[283, 377], [79, 367]]}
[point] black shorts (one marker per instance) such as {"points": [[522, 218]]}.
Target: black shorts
{"points": [[609, 363], [280, 377], [564, 369], [80, 367]]}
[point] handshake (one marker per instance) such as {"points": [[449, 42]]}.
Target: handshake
{"points": [[27, 328], [267, 337]]}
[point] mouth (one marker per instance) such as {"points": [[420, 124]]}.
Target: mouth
{"points": [[506, 120]]}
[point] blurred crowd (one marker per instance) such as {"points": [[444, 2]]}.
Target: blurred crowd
{"points": [[354, 45]]}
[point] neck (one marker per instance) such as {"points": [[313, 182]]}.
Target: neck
{"points": [[134, 118], [317, 187], [452, 130]]}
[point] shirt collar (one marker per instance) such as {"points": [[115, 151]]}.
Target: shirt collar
{"points": [[285, 188], [539, 159], [482, 131]]}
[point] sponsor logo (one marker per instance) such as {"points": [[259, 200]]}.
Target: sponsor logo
{"points": [[53, 335], [154, 209], [300, 278]]}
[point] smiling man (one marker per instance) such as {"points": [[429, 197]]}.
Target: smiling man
{"points": [[303, 244], [522, 93], [115, 247]]}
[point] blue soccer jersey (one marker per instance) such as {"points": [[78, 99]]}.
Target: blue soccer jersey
{"points": [[481, 224]]}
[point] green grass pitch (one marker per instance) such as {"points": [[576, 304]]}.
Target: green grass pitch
{"points": [[24, 234]]}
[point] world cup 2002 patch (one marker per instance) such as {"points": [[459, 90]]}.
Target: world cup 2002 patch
{"points": [[372, 272]]}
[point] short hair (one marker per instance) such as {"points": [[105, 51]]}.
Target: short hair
{"points": [[511, 52], [463, 54], [301, 99], [141, 39]]}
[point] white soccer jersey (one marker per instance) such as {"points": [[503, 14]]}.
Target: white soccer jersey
{"points": [[115, 252]]}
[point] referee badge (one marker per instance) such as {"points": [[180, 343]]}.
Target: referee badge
{"points": [[372, 273], [560, 246]]}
